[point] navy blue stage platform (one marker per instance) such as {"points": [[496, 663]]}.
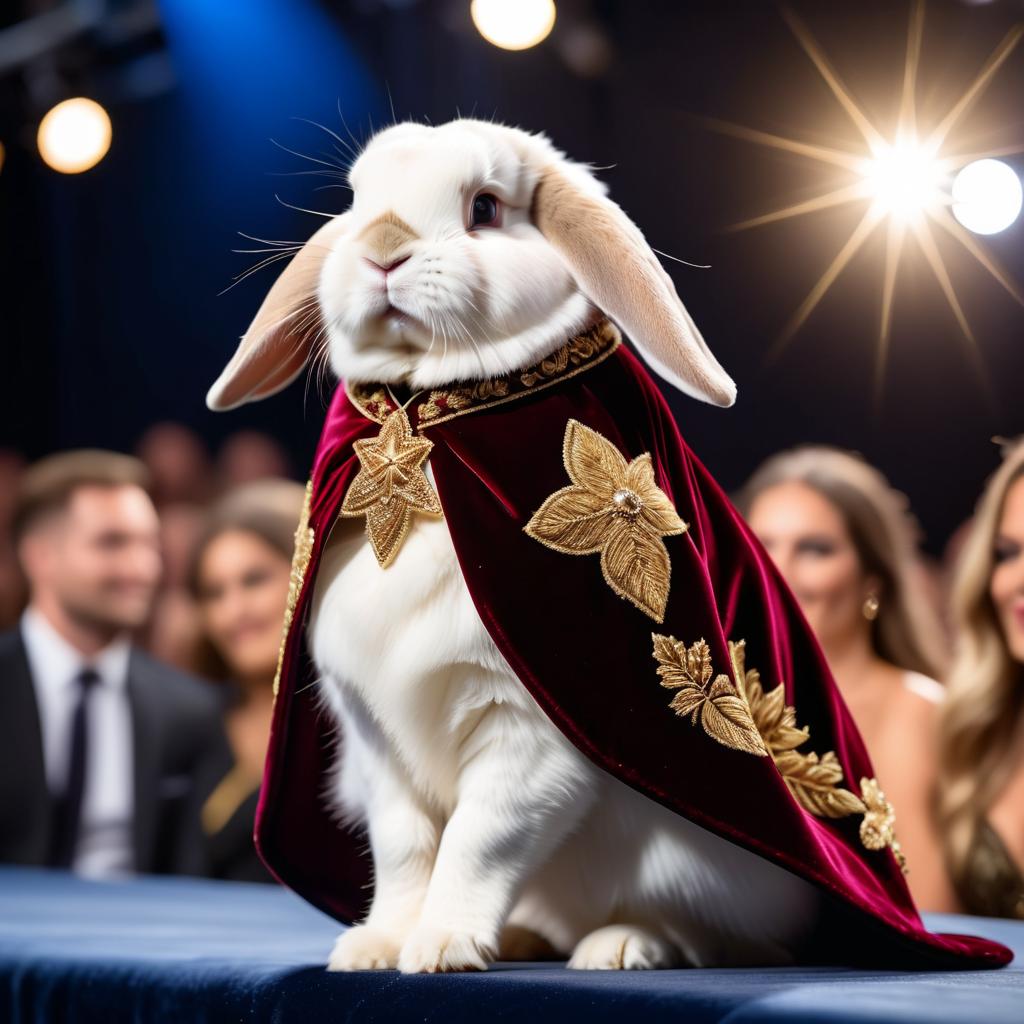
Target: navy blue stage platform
{"points": [[183, 951]]}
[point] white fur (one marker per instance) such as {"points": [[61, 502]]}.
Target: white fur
{"points": [[479, 303], [481, 813]]}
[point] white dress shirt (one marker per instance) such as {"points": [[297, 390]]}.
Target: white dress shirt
{"points": [[105, 844]]}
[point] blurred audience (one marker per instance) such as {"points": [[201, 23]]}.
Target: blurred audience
{"points": [[178, 463], [981, 797], [106, 756], [846, 544], [247, 456], [239, 576], [12, 581]]}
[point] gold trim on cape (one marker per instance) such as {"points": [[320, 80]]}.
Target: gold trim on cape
{"points": [[579, 353], [300, 563]]}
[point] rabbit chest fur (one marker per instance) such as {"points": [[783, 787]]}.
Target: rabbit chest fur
{"points": [[484, 821]]}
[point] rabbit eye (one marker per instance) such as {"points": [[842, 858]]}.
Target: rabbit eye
{"points": [[485, 210]]}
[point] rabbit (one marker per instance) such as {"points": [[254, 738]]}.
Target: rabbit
{"points": [[472, 249]]}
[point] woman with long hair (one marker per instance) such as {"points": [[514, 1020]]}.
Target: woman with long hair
{"points": [[846, 543], [981, 797], [238, 576]]}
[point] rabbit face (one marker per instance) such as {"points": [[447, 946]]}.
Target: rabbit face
{"points": [[471, 249], [440, 273]]}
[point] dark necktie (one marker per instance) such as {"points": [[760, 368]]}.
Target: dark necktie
{"points": [[68, 806]]}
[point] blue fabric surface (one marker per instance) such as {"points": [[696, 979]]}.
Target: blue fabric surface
{"points": [[187, 950]]}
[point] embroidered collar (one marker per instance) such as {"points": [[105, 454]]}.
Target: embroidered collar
{"points": [[579, 353]]}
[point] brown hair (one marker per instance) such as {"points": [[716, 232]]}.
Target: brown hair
{"points": [[47, 486], [986, 698], [268, 509], [907, 632]]}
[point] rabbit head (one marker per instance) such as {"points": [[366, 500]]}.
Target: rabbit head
{"points": [[470, 250]]}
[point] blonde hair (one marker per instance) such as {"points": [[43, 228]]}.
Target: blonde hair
{"points": [[983, 705], [907, 632]]}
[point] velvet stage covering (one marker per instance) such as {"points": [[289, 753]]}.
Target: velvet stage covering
{"points": [[585, 653], [183, 951]]}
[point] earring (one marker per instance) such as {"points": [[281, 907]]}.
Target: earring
{"points": [[870, 607]]}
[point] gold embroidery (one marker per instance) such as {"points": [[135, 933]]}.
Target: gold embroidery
{"points": [[721, 708], [390, 485], [576, 355], [616, 509], [741, 715], [300, 563], [814, 781], [878, 829]]}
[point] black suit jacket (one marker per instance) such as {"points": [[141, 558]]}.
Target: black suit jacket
{"points": [[179, 754]]}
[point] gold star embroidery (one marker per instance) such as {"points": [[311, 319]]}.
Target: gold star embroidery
{"points": [[390, 485], [615, 508]]}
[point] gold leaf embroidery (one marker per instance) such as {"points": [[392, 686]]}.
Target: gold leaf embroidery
{"points": [[878, 829], [616, 509], [813, 780], [722, 710], [300, 564], [390, 485]]}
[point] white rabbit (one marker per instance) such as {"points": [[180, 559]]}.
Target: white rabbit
{"points": [[472, 249]]}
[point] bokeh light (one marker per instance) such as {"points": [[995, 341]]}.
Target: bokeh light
{"points": [[74, 135], [987, 196], [513, 24]]}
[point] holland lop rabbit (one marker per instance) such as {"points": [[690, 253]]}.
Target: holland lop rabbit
{"points": [[471, 250]]}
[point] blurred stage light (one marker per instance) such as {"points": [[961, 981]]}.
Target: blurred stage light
{"points": [[74, 135], [513, 24], [3, 153], [903, 179], [987, 197]]}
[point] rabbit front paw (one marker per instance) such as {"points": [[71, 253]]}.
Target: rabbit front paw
{"points": [[365, 948], [622, 947], [431, 950]]}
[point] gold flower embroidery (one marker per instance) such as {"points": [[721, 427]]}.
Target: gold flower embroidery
{"points": [[390, 485], [615, 508], [300, 563], [878, 829], [721, 708]]}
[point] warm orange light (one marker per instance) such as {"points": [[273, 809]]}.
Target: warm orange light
{"points": [[74, 135]]}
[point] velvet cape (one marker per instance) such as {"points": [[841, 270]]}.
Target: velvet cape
{"points": [[585, 654]]}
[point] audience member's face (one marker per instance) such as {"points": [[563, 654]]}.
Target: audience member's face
{"points": [[808, 540], [101, 557], [1007, 586], [243, 590]]}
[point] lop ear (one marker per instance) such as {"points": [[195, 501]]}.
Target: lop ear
{"points": [[618, 271], [279, 340]]}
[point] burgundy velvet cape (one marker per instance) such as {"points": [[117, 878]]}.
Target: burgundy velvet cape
{"points": [[585, 655]]}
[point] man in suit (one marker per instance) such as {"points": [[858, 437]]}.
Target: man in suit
{"points": [[105, 754]]}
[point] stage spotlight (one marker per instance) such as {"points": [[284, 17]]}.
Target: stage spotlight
{"points": [[513, 24], [3, 153], [74, 135], [987, 196], [903, 179]]}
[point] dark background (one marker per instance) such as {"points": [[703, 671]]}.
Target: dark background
{"points": [[111, 318]]}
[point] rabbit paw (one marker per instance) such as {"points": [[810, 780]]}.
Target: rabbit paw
{"points": [[365, 948], [430, 950], [622, 947]]}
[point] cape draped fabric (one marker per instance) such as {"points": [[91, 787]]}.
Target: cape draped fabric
{"points": [[585, 654]]}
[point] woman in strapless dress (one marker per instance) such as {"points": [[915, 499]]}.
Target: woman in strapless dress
{"points": [[847, 545], [981, 797]]}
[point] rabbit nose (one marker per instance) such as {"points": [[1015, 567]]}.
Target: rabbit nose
{"points": [[386, 268]]}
